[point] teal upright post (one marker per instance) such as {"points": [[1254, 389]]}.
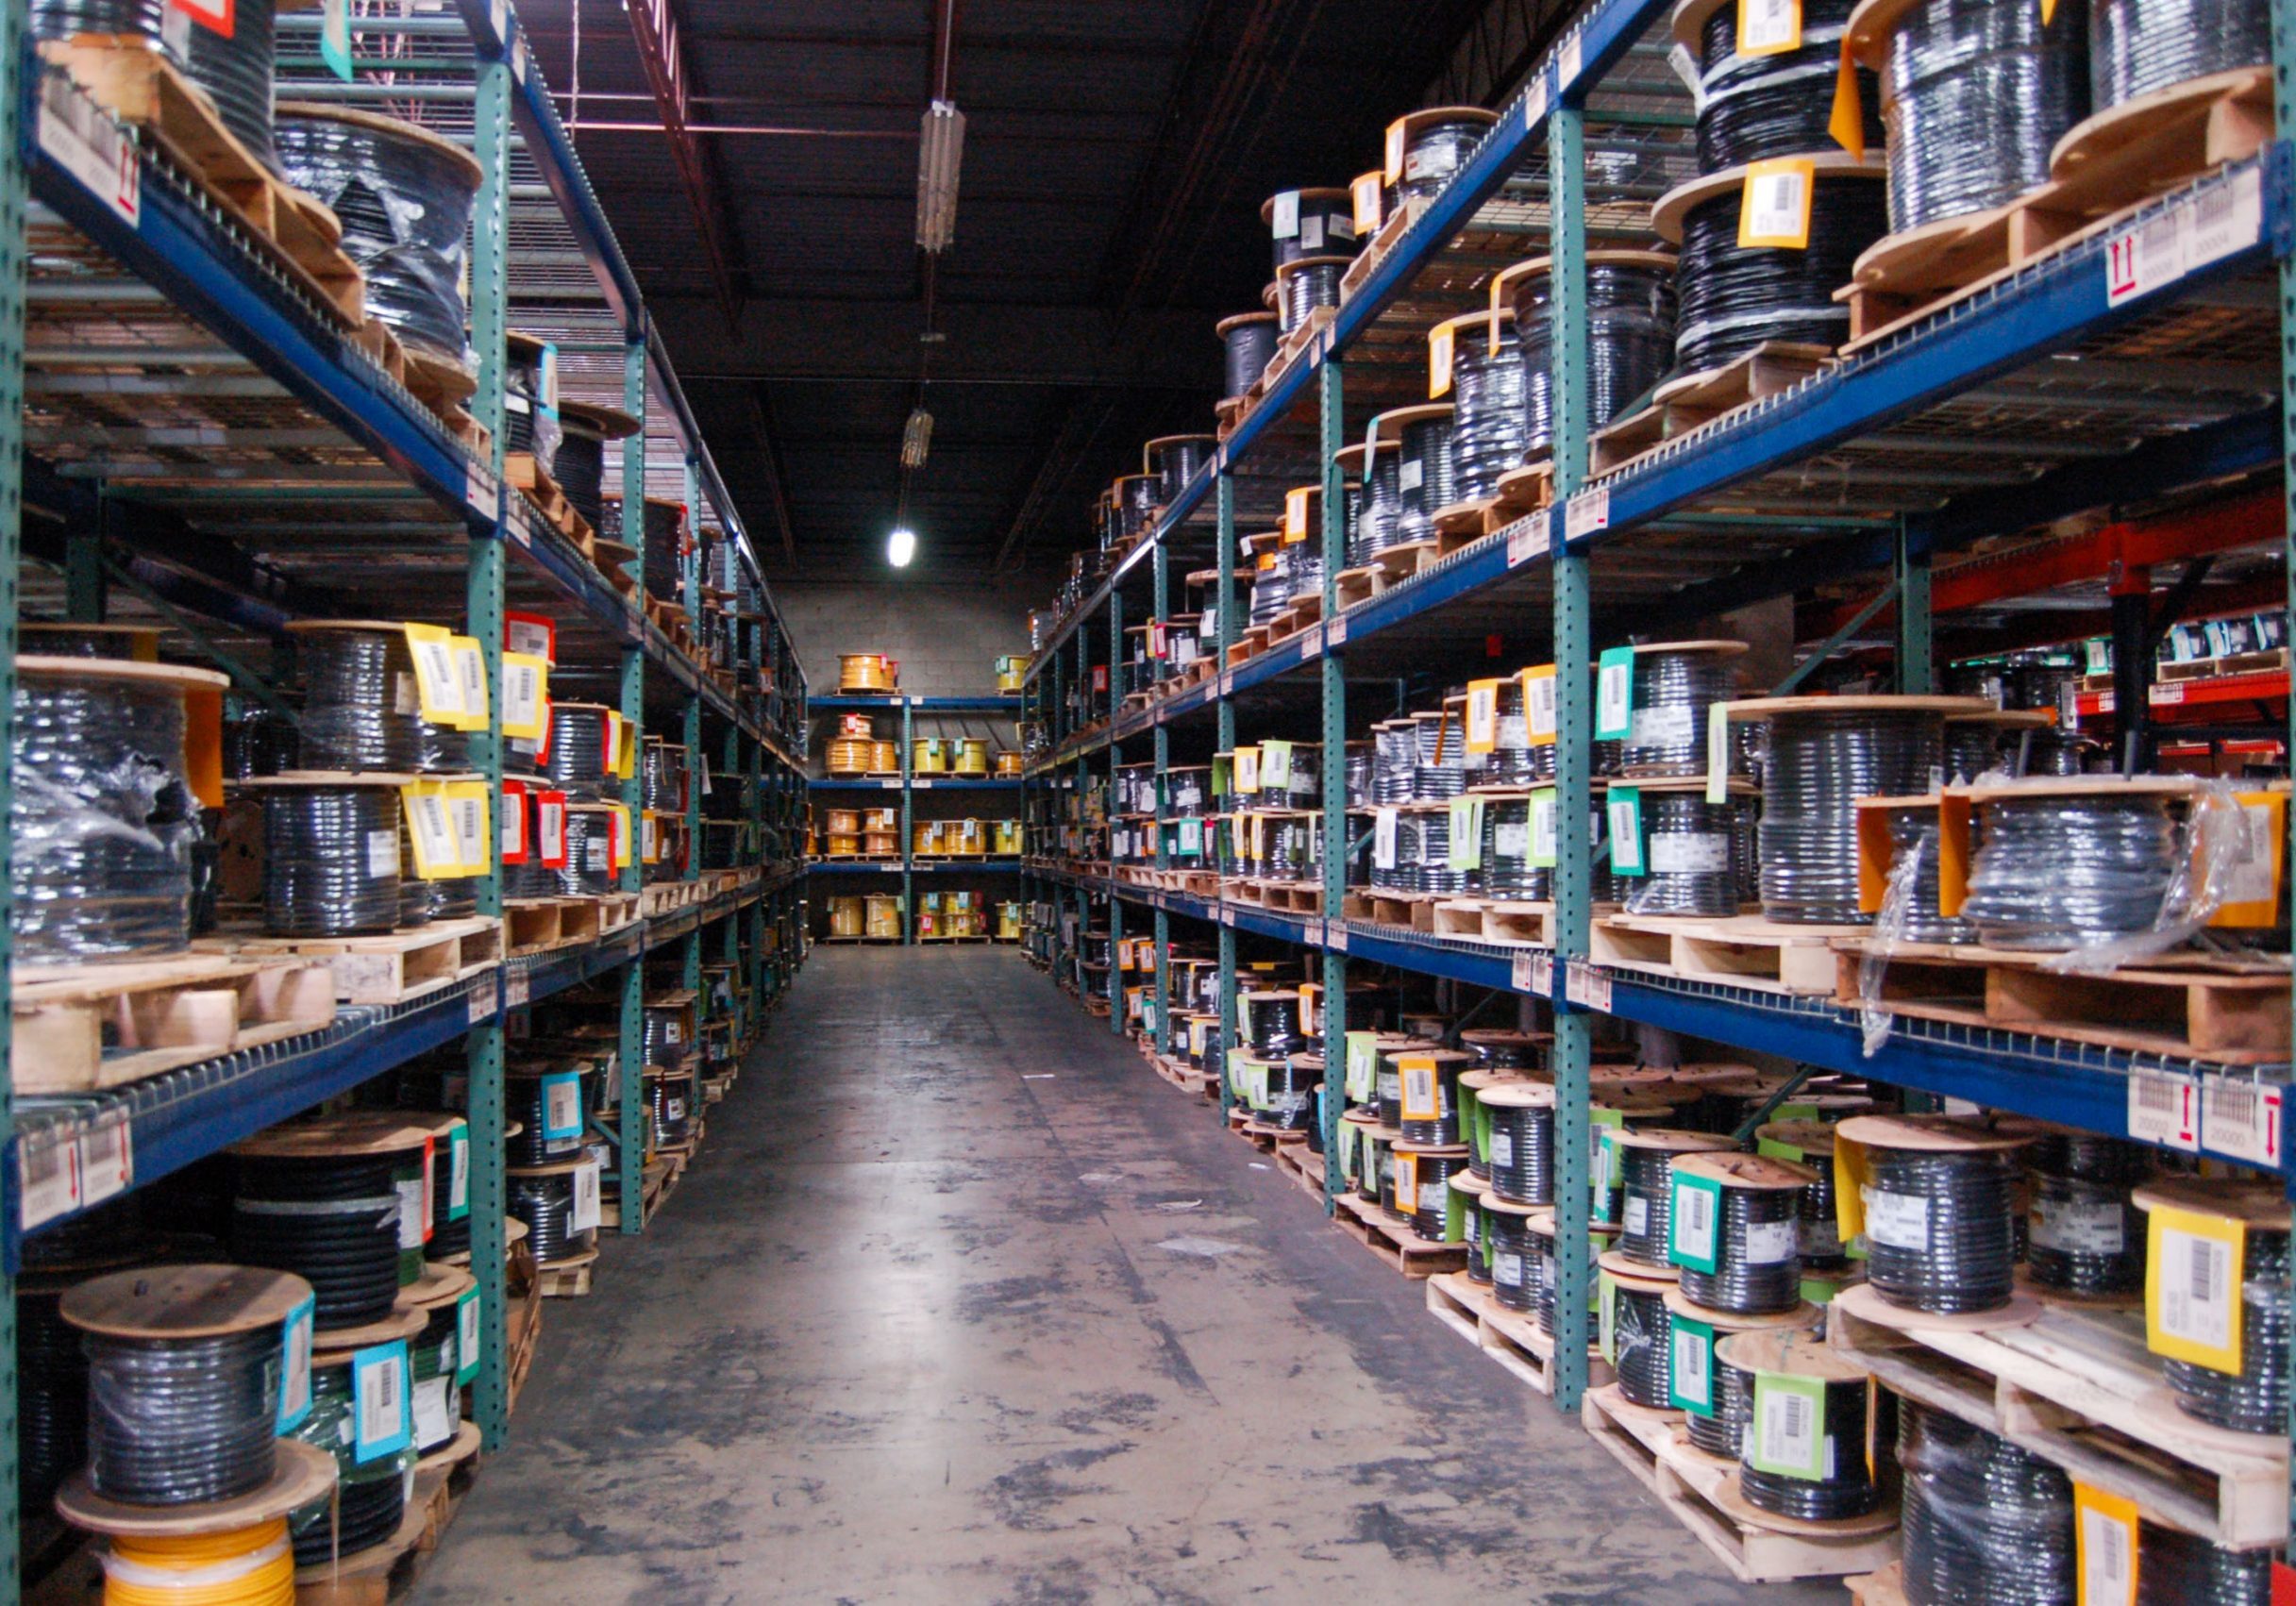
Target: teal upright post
{"points": [[2283, 107], [1334, 783], [630, 1062], [1916, 668], [1224, 605], [12, 195]]}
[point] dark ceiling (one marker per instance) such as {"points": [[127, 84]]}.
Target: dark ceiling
{"points": [[1116, 156]]}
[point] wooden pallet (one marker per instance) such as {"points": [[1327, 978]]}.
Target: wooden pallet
{"points": [[521, 472], [1682, 405], [1394, 1240], [1261, 1136], [1367, 258], [538, 925], [389, 968], [1416, 910], [1701, 1492], [2102, 172], [1303, 1165], [2079, 1387], [1511, 1338], [1297, 898], [83, 1027], [1521, 492], [386, 1572], [1883, 1588], [655, 1186], [1183, 1076], [136, 83], [663, 898], [1290, 351], [1496, 921], [1742, 951], [2185, 1006], [568, 1278]]}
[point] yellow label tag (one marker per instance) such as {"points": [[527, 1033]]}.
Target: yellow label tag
{"points": [[621, 835], [526, 691], [1848, 122], [613, 739], [1481, 715], [430, 831], [625, 751], [2105, 1540], [437, 688], [1247, 769], [1538, 705], [1769, 27], [1296, 502], [2251, 896], [469, 680], [1422, 1096], [1852, 1167], [1439, 362], [1393, 167], [1406, 1182], [2049, 12], [649, 837], [1774, 202], [468, 810], [1364, 191], [2193, 1264]]}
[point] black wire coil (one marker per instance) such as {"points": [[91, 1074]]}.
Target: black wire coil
{"points": [[1507, 870], [181, 1421], [579, 465], [1672, 690], [1444, 1128], [1429, 1213], [449, 1236], [1178, 461], [1754, 1222], [525, 1103], [1248, 344], [2137, 46], [1686, 854], [1514, 1279], [2175, 1569], [1720, 1430], [589, 869], [1423, 479], [522, 385], [1976, 96], [1379, 515], [418, 899], [1435, 151], [1848, 1491], [545, 1204], [1436, 874], [576, 765], [2084, 1235], [1271, 1024], [1630, 343], [1913, 831], [234, 70], [333, 1220], [105, 824], [52, 1394], [1735, 297], [1474, 1230], [1753, 108], [1986, 1523], [1967, 1221], [405, 201], [1642, 1338], [1311, 284], [669, 1099], [1819, 763], [362, 710], [2256, 1400], [1512, 760], [369, 1499], [2057, 872], [1646, 1183], [1440, 772], [331, 860], [1524, 1136], [1395, 759], [1488, 420]]}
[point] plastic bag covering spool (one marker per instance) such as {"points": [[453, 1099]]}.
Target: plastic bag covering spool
{"points": [[2084, 1235], [1673, 686], [1950, 1245], [545, 1204], [589, 870], [333, 861], [404, 196], [2062, 871], [1423, 479], [179, 1421], [577, 758], [1977, 95], [233, 69], [1630, 318], [526, 426], [369, 1500], [362, 710], [103, 817], [1753, 108], [1432, 152], [1641, 1343], [2137, 46], [1735, 297], [1983, 1520]]}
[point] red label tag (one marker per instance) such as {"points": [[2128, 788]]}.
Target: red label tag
{"points": [[220, 15], [550, 829], [515, 818]]}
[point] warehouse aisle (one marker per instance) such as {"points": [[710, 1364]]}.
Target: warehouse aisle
{"points": [[962, 1304]]}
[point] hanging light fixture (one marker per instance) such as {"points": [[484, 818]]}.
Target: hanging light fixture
{"points": [[917, 438], [902, 547], [940, 150]]}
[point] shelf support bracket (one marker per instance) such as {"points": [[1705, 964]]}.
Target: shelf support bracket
{"points": [[1334, 782]]}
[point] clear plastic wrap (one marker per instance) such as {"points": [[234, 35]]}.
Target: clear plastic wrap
{"points": [[1986, 1523], [2213, 850]]}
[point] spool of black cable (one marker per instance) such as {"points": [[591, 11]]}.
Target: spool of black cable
{"points": [[1513, 1255], [670, 1104], [1737, 1231], [2201, 1280], [589, 870], [1248, 340], [663, 564], [1423, 1190], [2138, 47], [1427, 1093], [369, 1498], [1487, 385], [1720, 1430], [1641, 1338], [547, 1200], [1736, 297], [405, 198], [1507, 870], [1983, 1520], [2175, 1568], [331, 856], [1778, 99], [1674, 686], [362, 702], [1423, 468], [449, 1184], [184, 1379], [1825, 753], [1310, 223], [1645, 1159], [2058, 868], [579, 465], [52, 1391], [1940, 1211], [1520, 1141], [1688, 866], [233, 65], [104, 820], [1631, 315], [1425, 148], [1440, 745], [548, 1100], [326, 1200], [1809, 1465], [1810, 1144], [1271, 1022], [578, 764], [1176, 460], [2084, 1235], [1308, 286], [1915, 832], [1974, 96], [1506, 1049], [1387, 1052], [530, 397], [434, 1357], [1471, 1191]]}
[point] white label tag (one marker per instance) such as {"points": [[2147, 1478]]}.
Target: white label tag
{"points": [[382, 854], [1411, 475], [2194, 1276], [1897, 1221], [2200, 231], [482, 492], [2165, 1108], [412, 1198], [1286, 216], [1589, 986], [1768, 24], [106, 1161], [433, 1424], [1779, 207], [383, 1394], [2108, 1555], [1689, 1376], [2242, 1119], [2077, 1227], [1526, 540], [1586, 512], [1770, 1241], [1786, 1429], [1383, 839], [585, 1218], [1637, 1220], [90, 147], [49, 1185], [1693, 1222], [1697, 853]]}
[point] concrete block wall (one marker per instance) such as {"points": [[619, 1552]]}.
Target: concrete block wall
{"points": [[948, 638]]}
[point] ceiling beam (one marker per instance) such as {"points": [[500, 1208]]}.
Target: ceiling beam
{"points": [[660, 50]]}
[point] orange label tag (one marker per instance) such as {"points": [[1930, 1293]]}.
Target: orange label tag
{"points": [[1439, 362], [1774, 202]]}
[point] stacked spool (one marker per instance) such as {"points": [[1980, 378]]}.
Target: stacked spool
{"points": [[867, 672]]}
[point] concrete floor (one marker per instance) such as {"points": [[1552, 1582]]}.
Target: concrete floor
{"points": [[959, 1303]]}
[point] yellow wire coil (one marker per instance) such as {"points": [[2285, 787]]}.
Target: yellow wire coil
{"points": [[242, 1566]]}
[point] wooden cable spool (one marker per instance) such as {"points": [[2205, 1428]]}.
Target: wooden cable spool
{"points": [[850, 756], [867, 672]]}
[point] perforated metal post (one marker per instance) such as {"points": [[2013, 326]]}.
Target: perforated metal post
{"points": [[909, 928], [1574, 738], [1916, 668], [483, 603], [1224, 610], [12, 546], [1334, 783], [631, 1059], [1116, 756], [2283, 107], [1161, 611]]}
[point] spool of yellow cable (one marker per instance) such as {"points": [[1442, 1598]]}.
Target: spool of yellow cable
{"points": [[972, 755], [841, 822], [240, 1566], [884, 757], [929, 755], [846, 916], [866, 671], [849, 755], [884, 915], [1007, 764], [1011, 674]]}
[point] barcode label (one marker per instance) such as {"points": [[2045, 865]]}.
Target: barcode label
{"points": [[1775, 205], [1507, 1269], [50, 1183], [1527, 538], [1589, 986], [2164, 1110], [586, 1196], [1691, 1376], [2195, 1301], [1638, 1215], [1897, 1221], [90, 147], [413, 1199], [563, 1105], [2242, 1119], [107, 1160], [1421, 1101], [1789, 1439], [1586, 512], [1769, 26], [466, 1337], [1502, 1148], [2108, 1547], [1693, 1222], [433, 1423], [382, 854], [379, 1413], [2201, 229]]}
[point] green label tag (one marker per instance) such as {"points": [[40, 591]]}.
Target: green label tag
{"points": [[335, 37], [1275, 766], [1363, 1067], [458, 1171], [1466, 846], [1614, 694], [1237, 1072], [1691, 1366], [1454, 1217], [1606, 1303], [1347, 1131], [1625, 810], [1694, 1222], [466, 1338], [1255, 1072], [1542, 830], [1789, 1430], [1603, 1121]]}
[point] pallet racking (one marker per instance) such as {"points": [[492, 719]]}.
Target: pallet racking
{"points": [[317, 481]]}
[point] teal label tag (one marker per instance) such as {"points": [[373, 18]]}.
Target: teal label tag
{"points": [[335, 37], [382, 1416], [1614, 694], [1694, 1228], [1624, 807], [1691, 1366], [466, 1339], [295, 1365]]}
